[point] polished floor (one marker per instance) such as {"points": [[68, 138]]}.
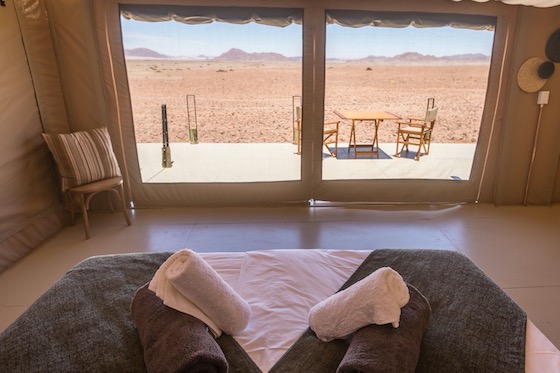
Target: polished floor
{"points": [[518, 247]]}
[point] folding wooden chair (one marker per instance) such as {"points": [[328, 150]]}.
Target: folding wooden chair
{"points": [[417, 131]]}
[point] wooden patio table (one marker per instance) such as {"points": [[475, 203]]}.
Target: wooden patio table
{"points": [[375, 116]]}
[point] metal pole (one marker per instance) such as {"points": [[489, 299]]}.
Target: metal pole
{"points": [[165, 150], [533, 157], [193, 129]]}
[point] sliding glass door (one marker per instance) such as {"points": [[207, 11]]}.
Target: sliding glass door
{"points": [[213, 95], [235, 104], [384, 68]]}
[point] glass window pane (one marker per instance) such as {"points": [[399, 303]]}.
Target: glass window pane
{"points": [[237, 124], [396, 70]]}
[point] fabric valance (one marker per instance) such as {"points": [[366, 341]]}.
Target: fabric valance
{"points": [[193, 15], [359, 18]]}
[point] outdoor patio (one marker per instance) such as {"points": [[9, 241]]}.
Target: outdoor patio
{"points": [[208, 163]]}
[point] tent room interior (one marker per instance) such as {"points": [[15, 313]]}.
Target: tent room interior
{"points": [[478, 254]]}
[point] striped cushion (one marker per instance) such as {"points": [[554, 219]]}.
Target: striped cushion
{"points": [[83, 157]]}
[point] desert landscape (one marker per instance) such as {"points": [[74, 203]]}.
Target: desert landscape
{"points": [[248, 99]]}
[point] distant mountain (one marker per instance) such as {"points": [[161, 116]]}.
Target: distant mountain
{"points": [[475, 57], [414, 58], [143, 53], [235, 54], [408, 58]]}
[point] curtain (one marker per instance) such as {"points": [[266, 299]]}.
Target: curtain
{"points": [[29, 98], [194, 15], [353, 18]]}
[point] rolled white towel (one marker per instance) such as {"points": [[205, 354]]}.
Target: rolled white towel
{"points": [[172, 298], [376, 299], [188, 284]]}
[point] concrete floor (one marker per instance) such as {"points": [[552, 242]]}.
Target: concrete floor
{"points": [[280, 162]]}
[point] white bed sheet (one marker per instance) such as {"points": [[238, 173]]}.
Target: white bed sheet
{"points": [[282, 285]]}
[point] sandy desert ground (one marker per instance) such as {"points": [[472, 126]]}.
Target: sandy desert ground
{"points": [[251, 102]]}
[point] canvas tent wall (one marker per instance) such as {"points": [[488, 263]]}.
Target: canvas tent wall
{"points": [[62, 70], [29, 200]]}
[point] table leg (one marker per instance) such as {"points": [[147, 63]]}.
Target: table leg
{"points": [[352, 137], [376, 139]]}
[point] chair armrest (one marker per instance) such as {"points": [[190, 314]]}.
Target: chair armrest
{"points": [[419, 125], [411, 124], [415, 119], [335, 123]]}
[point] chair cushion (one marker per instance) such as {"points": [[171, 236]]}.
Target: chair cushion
{"points": [[83, 157]]}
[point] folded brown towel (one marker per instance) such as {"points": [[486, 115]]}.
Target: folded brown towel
{"points": [[383, 348], [174, 341]]}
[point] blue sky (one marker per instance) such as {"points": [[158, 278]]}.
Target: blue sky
{"points": [[177, 39]]}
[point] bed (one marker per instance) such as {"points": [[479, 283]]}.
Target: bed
{"points": [[83, 322]]}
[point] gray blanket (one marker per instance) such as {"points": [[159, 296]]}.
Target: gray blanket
{"points": [[474, 327], [83, 323]]}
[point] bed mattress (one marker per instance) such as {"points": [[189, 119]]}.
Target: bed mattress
{"points": [[83, 322]]}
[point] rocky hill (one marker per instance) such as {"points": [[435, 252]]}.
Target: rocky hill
{"points": [[408, 58], [143, 53], [235, 54], [414, 58]]}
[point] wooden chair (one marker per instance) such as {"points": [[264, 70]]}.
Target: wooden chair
{"points": [[85, 192], [417, 132], [330, 133], [297, 128], [87, 166], [330, 136]]}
